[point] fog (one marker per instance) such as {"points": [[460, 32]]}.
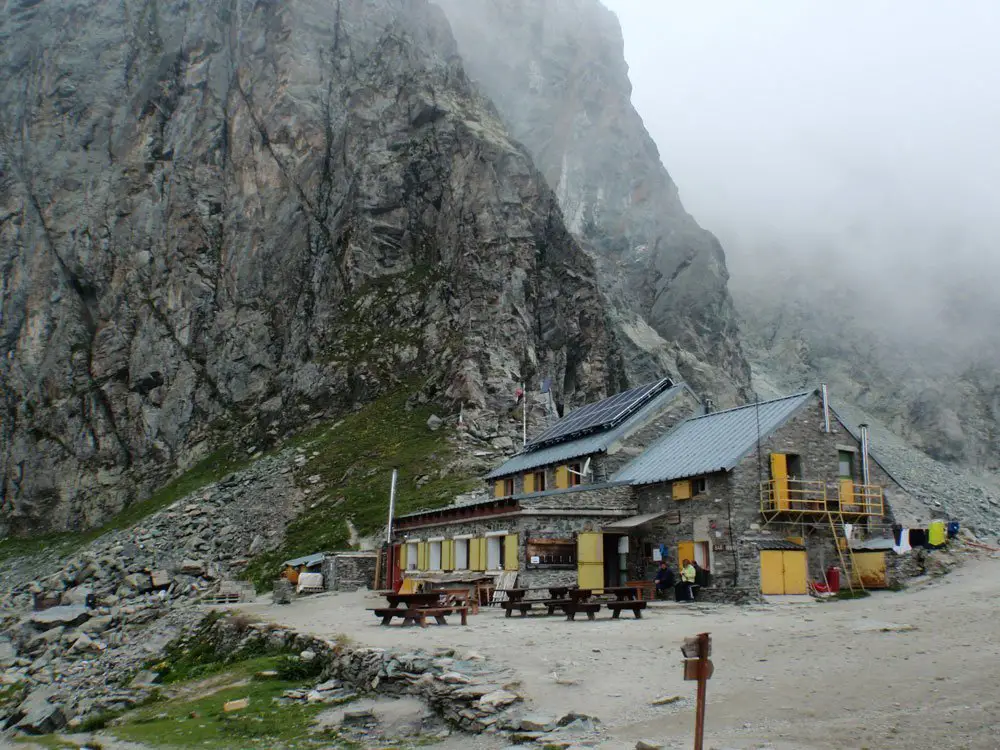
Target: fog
{"points": [[854, 144]]}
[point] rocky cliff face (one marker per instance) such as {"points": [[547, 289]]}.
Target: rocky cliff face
{"points": [[556, 71], [219, 217]]}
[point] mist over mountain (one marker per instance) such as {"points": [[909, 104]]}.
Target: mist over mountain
{"points": [[847, 158]]}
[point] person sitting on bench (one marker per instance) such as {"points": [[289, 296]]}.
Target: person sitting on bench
{"points": [[685, 587], [664, 580]]}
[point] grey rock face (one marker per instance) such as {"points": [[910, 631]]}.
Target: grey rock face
{"points": [[557, 73], [218, 217], [59, 617]]}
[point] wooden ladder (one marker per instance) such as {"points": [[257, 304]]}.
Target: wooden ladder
{"points": [[848, 571]]}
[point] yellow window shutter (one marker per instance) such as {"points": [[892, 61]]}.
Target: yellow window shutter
{"points": [[529, 482], [681, 490], [402, 556], [846, 492], [510, 549], [562, 477], [779, 477], [498, 488], [422, 556], [446, 554], [475, 561]]}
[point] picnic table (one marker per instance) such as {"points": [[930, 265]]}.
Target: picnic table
{"points": [[414, 609], [518, 594], [623, 593]]}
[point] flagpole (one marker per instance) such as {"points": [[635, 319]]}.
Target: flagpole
{"points": [[524, 418]]}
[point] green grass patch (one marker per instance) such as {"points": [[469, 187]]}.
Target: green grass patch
{"points": [[195, 716], [355, 462], [848, 594], [210, 469]]}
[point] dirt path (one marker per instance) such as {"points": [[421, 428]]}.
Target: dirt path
{"points": [[911, 670]]}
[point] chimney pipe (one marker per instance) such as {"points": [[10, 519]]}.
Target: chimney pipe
{"points": [[826, 407], [864, 455]]}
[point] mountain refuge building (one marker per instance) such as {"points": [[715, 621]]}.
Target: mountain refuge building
{"points": [[764, 497]]}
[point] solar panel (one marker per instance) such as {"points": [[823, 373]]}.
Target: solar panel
{"points": [[602, 415]]}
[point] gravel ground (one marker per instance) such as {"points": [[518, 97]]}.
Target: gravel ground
{"points": [[890, 671]]}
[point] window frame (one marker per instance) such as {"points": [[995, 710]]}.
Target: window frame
{"points": [[840, 464], [508, 486], [539, 480], [699, 486], [574, 474]]}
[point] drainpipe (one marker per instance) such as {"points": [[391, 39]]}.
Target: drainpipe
{"points": [[864, 455], [826, 407]]}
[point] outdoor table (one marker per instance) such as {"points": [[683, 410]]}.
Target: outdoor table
{"points": [[558, 592], [514, 595], [413, 601], [579, 595]]}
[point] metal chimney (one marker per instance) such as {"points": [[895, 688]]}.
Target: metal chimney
{"points": [[864, 455], [826, 407]]}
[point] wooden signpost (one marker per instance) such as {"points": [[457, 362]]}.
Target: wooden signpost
{"points": [[697, 666]]}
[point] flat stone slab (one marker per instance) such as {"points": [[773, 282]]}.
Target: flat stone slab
{"points": [[70, 616]]}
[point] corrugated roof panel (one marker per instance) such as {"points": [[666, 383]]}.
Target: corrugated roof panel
{"points": [[585, 446], [710, 443]]}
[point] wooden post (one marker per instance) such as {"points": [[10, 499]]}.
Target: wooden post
{"points": [[699, 721]]}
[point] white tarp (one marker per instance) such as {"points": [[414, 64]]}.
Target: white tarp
{"points": [[309, 582]]}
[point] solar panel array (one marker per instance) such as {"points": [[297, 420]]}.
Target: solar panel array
{"points": [[602, 415]]}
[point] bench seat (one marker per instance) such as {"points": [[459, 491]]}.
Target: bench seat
{"points": [[590, 608], [419, 615], [636, 606]]}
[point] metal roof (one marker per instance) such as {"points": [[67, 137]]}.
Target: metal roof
{"points": [[307, 560], [627, 524], [710, 443], [587, 445], [779, 544]]}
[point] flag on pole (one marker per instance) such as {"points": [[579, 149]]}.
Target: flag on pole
{"points": [[519, 393], [546, 385]]}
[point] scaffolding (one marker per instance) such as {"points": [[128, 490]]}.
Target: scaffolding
{"points": [[820, 504]]}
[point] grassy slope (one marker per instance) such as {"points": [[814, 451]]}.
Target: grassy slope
{"points": [[208, 470], [355, 462]]}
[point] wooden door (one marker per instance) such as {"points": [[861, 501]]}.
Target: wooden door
{"points": [[590, 560], [795, 571], [772, 575], [685, 551]]}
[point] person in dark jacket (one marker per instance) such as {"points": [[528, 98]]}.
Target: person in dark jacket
{"points": [[664, 580]]}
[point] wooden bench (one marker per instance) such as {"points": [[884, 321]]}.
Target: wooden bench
{"points": [[636, 605], [521, 606], [591, 608], [553, 604], [419, 615]]}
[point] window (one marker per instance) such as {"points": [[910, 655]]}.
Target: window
{"points": [[542, 552], [539, 481], [411, 555], [494, 553], [575, 475], [461, 554], [699, 486], [508, 486], [846, 464], [794, 466], [435, 556]]}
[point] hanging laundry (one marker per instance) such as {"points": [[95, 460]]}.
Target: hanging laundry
{"points": [[918, 538], [897, 534], [848, 528], [902, 544]]}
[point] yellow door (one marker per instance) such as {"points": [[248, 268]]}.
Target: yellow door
{"points": [[590, 560], [685, 551], [846, 494], [510, 561], [795, 572], [772, 575], [562, 477], [498, 488], [869, 570], [779, 475]]}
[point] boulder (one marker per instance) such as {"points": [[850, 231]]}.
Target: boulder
{"points": [[145, 679], [81, 596], [191, 567], [498, 699], [44, 719], [8, 654], [237, 705], [160, 579], [139, 582], [97, 624], [54, 617], [434, 422], [647, 745]]}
